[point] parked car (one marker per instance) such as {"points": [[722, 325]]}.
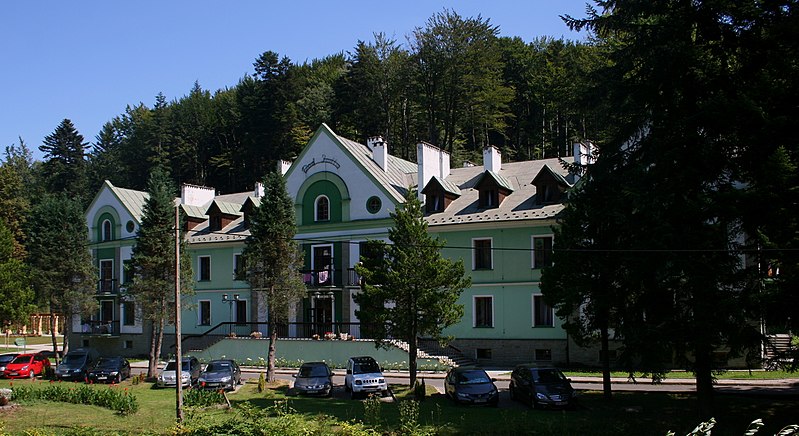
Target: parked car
{"points": [[109, 370], [314, 378], [5, 359], [189, 374], [364, 376], [220, 374], [541, 386], [76, 364], [27, 366], [471, 386]]}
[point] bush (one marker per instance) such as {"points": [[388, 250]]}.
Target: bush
{"points": [[420, 390], [261, 383], [202, 398], [121, 401]]}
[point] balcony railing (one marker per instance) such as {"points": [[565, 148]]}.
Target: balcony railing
{"points": [[93, 327], [107, 286], [319, 278]]}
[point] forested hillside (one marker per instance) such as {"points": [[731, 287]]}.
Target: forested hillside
{"points": [[452, 82]]}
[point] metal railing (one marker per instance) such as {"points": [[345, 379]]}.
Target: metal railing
{"points": [[107, 286], [92, 327], [292, 330], [318, 278]]}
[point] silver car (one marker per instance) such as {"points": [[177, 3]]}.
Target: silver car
{"points": [[190, 373]]}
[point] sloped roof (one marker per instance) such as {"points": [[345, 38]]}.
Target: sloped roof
{"points": [[558, 177], [132, 200], [499, 180], [226, 208], [399, 173], [517, 206], [446, 185], [197, 212]]}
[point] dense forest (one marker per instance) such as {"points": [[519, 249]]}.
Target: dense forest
{"points": [[455, 84]]}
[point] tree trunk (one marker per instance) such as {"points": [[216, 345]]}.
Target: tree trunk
{"points": [[607, 391], [704, 381], [159, 343], [151, 365], [270, 360], [52, 336], [413, 346]]}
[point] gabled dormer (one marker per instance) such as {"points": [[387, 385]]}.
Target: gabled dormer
{"points": [[221, 214], [493, 189], [549, 186], [248, 209], [439, 194], [194, 216]]}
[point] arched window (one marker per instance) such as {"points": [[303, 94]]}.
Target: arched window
{"points": [[107, 234], [322, 209]]}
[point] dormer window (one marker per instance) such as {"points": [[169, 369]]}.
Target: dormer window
{"points": [[322, 209], [549, 186], [107, 231], [439, 194], [215, 223], [492, 189]]}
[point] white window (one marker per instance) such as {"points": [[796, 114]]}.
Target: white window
{"points": [[483, 310], [204, 312], [482, 255], [107, 231], [322, 208], [543, 315], [204, 268], [542, 251]]}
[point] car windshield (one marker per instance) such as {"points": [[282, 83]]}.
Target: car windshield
{"points": [[73, 359], [6, 359], [365, 368], [218, 366], [172, 365], [313, 371], [472, 377], [22, 359], [548, 376], [108, 363]]}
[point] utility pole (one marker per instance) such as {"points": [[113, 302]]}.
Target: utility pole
{"points": [[178, 353]]}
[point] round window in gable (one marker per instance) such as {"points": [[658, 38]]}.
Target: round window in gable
{"points": [[129, 226], [373, 204]]}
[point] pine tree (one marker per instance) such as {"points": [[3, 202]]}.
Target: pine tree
{"points": [[65, 161], [273, 259], [16, 293], [411, 290], [153, 262], [64, 276]]}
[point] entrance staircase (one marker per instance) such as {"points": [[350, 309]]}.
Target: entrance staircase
{"points": [[447, 354]]}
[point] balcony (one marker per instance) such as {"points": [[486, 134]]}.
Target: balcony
{"points": [[107, 287], [99, 328], [327, 278]]}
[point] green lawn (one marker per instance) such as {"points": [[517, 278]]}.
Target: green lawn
{"points": [[627, 413]]}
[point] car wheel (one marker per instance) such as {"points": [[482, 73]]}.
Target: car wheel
{"points": [[31, 374], [118, 379]]}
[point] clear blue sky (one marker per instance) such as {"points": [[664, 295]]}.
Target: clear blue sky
{"points": [[86, 60]]}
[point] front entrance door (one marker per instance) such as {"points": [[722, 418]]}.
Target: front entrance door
{"points": [[106, 316], [321, 314]]}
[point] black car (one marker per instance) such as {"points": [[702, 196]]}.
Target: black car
{"points": [[541, 386], [314, 378], [5, 359], [471, 386], [109, 370], [220, 374], [76, 364]]}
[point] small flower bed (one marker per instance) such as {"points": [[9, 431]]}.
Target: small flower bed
{"points": [[116, 399]]}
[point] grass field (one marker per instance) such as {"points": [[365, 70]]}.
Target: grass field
{"points": [[627, 413]]}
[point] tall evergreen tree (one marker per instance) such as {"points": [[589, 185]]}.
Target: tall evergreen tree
{"points": [[153, 263], [65, 161], [17, 188], [273, 259], [16, 294], [410, 290], [64, 277]]}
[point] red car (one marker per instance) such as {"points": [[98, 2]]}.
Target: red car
{"points": [[27, 366]]}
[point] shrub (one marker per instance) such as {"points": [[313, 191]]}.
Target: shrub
{"points": [[121, 401], [202, 398], [261, 383], [409, 416], [371, 410], [420, 390]]}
